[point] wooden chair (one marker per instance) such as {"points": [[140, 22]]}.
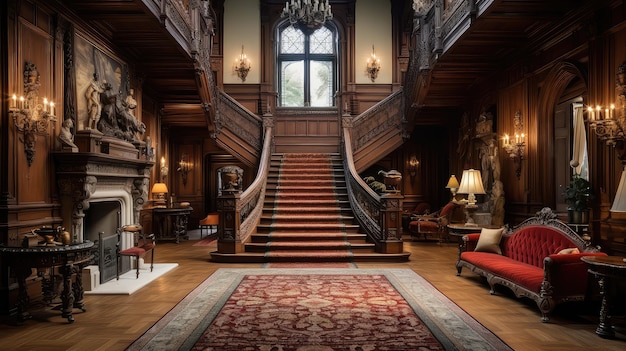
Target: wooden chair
{"points": [[434, 223], [212, 219], [142, 244]]}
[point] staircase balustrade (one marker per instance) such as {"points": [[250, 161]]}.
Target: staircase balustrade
{"points": [[379, 216], [378, 131], [240, 122], [239, 213]]}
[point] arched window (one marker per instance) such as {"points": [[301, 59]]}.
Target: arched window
{"points": [[307, 66]]}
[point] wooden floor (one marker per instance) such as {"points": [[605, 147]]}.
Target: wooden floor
{"points": [[112, 322]]}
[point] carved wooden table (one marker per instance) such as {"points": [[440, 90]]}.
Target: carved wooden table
{"points": [[171, 222], [606, 269], [70, 259]]}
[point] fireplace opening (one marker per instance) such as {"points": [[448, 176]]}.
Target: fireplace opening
{"points": [[101, 223], [102, 217]]}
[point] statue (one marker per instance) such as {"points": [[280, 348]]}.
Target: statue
{"points": [[65, 135], [496, 203], [94, 100], [117, 119], [130, 102], [489, 162]]}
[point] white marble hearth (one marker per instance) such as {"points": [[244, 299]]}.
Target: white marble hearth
{"points": [[129, 283]]}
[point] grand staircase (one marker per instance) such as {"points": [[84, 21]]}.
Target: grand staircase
{"points": [[307, 215]]}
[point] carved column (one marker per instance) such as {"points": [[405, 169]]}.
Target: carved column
{"points": [[228, 239], [76, 192], [391, 217]]}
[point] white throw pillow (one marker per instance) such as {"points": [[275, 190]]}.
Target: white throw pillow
{"points": [[489, 240]]}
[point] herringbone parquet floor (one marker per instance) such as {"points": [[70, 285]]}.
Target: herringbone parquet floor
{"points": [[113, 322]]}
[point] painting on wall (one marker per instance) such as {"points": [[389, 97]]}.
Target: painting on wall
{"points": [[96, 72], [105, 101]]}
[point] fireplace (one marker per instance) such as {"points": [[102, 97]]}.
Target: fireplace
{"points": [[102, 186]]}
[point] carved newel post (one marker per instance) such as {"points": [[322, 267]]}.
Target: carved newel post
{"points": [[391, 222], [229, 209]]}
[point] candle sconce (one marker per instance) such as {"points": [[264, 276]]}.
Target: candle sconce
{"points": [[242, 66], [413, 164], [373, 66], [31, 117], [184, 167], [608, 124], [514, 147]]}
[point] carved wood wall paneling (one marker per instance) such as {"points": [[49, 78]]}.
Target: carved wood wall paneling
{"points": [[511, 100], [247, 95], [29, 187], [368, 95]]}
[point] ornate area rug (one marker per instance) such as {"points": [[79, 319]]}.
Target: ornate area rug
{"points": [[316, 310]]}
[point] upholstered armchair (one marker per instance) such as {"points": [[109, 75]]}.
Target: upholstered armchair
{"points": [[432, 224], [207, 223]]}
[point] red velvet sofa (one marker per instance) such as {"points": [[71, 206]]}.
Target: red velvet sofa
{"points": [[536, 261]]}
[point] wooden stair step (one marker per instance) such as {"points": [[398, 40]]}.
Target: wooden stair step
{"points": [[308, 236]]}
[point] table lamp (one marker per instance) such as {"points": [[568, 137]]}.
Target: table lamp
{"points": [[471, 184], [158, 192], [453, 185]]}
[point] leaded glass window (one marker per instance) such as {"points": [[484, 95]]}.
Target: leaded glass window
{"points": [[307, 66]]}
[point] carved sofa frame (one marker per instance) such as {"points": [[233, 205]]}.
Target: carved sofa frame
{"points": [[530, 264]]}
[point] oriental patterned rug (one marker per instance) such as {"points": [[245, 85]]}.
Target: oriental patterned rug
{"points": [[317, 310]]}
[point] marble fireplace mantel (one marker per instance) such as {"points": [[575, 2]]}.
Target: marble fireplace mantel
{"points": [[103, 167]]}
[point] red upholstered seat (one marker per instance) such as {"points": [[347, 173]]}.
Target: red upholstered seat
{"points": [[532, 262], [142, 245], [434, 223]]}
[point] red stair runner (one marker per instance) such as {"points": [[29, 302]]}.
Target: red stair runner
{"points": [[307, 215]]}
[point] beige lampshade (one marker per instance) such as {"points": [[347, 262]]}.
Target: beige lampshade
{"points": [[619, 203], [471, 183], [452, 182], [159, 188]]}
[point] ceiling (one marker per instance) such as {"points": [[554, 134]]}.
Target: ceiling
{"points": [[508, 30]]}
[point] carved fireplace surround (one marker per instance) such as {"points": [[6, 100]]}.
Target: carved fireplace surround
{"points": [[103, 169]]}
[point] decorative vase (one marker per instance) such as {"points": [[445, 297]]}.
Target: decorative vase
{"points": [[65, 238], [578, 217], [229, 180]]}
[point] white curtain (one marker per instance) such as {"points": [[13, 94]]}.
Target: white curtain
{"points": [[579, 151]]}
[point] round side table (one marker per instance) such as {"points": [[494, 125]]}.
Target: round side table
{"points": [[606, 269]]}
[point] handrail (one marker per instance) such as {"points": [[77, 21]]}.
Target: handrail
{"points": [[232, 115], [364, 201], [386, 115], [240, 212], [251, 202]]}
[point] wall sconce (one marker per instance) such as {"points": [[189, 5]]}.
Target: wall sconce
{"points": [[29, 114], [453, 185], [471, 184], [242, 66], [373, 65], [158, 193], [164, 169], [413, 164], [515, 147], [608, 124], [184, 167]]}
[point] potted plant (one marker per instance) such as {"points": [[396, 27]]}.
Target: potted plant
{"points": [[577, 195]]}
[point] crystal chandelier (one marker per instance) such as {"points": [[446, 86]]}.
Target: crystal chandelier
{"points": [[310, 13]]}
